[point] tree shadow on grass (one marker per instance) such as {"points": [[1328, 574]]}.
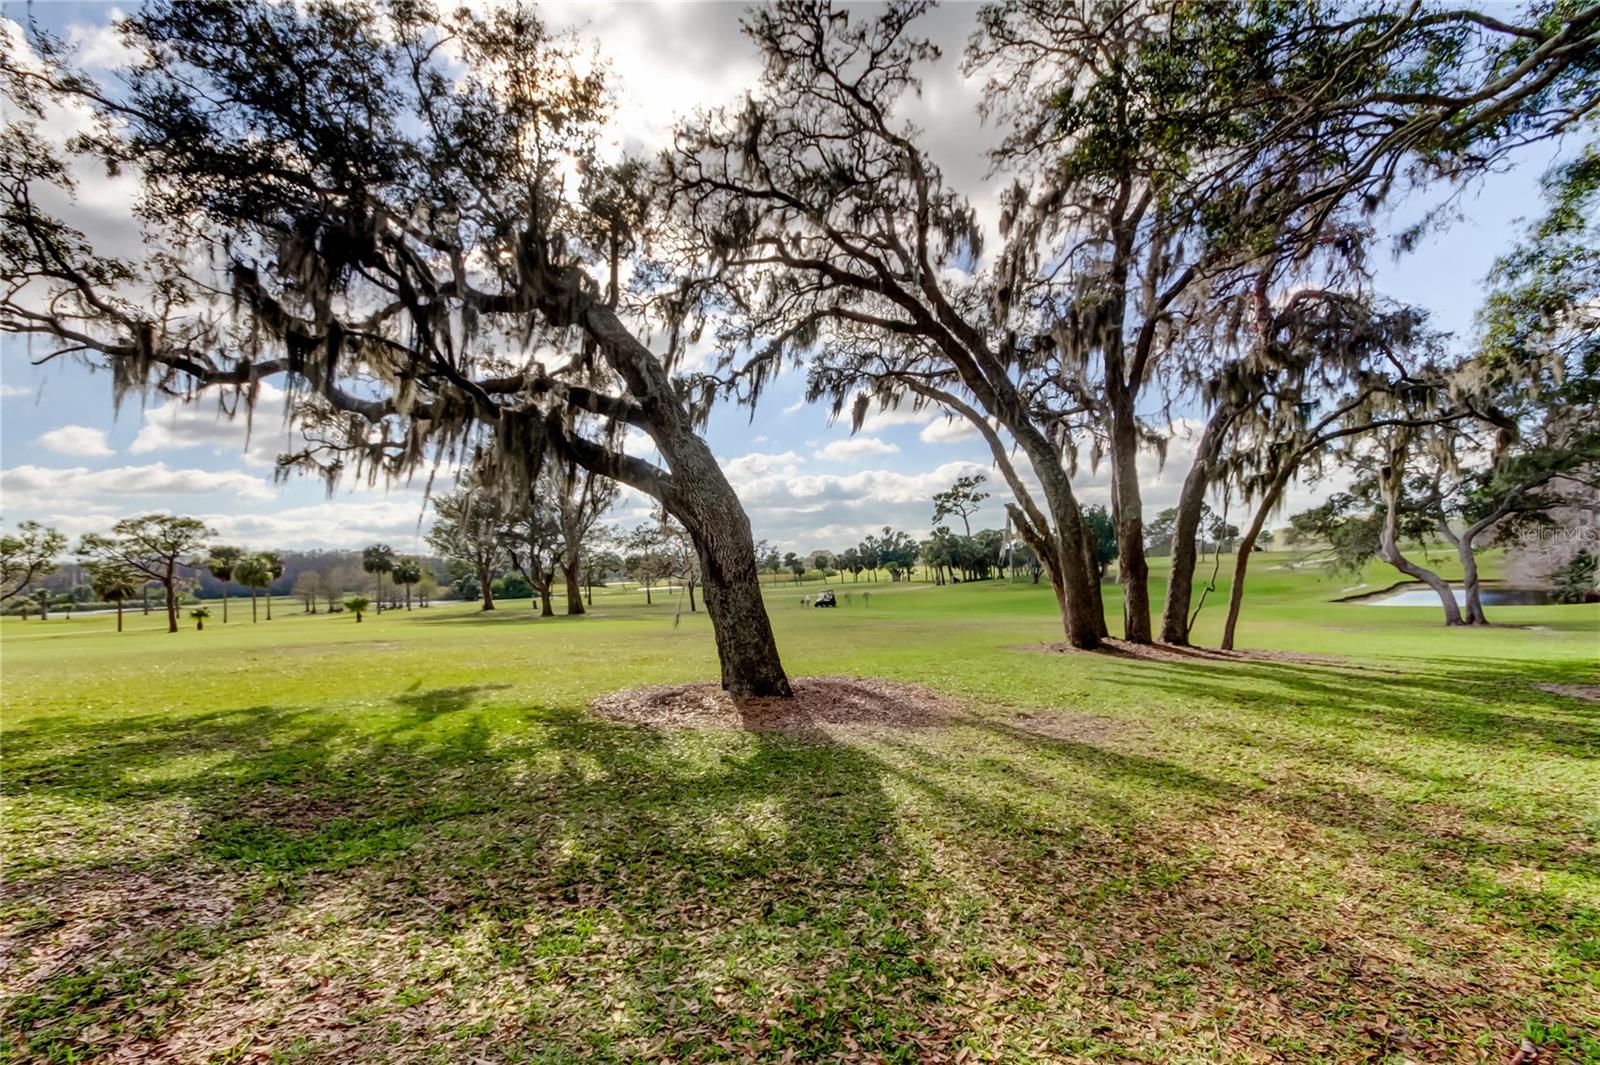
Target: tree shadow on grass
{"points": [[1455, 702], [620, 894], [528, 882]]}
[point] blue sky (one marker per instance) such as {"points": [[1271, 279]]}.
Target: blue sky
{"points": [[66, 458]]}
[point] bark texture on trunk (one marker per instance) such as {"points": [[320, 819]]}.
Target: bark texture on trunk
{"points": [[170, 584], [1186, 532], [1389, 545], [569, 573], [1133, 571], [692, 487], [486, 592], [1471, 583], [705, 504]]}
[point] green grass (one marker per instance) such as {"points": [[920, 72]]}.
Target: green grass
{"points": [[408, 840]]}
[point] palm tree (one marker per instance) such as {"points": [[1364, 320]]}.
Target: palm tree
{"points": [[221, 561], [274, 562], [407, 571], [357, 605], [114, 584], [378, 560], [255, 573], [200, 616]]}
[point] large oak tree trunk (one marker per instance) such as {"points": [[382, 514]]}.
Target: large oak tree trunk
{"points": [[570, 574], [1082, 616], [1133, 571], [696, 491], [705, 503], [483, 587]]}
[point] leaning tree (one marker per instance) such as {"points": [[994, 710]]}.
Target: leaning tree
{"points": [[1161, 153], [408, 217], [26, 555]]}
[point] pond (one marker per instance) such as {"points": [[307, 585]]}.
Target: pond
{"points": [[1422, 595]]}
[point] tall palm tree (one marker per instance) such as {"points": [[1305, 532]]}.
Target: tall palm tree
{"points": [[221, 561], [378, 560], [114, 584], [274, 561], [407, 571], [254, 573]]}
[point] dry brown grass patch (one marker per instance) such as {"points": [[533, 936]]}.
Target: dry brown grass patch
{"points": [[1589, 693]]}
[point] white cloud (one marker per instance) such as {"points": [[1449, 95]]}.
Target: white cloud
{"points": [[259, 436], [44, 490], [759, 467], [856, 447], [878, 420], [80, 440], [101, 47], [7, 391], [947, 431], [400, 522]]}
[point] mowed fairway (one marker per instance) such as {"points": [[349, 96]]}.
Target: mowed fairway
{"points": [[409, 840]]}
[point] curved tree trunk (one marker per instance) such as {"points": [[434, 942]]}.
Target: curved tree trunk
{"points": [[705, 504], [1241, 561], [1083, 615], [1186, 531], [1471, 584], [1389, 544]]}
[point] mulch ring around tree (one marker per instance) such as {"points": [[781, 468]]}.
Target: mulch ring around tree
{"points": [[820, 705]]}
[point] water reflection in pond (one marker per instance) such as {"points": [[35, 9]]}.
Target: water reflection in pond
{"points": [[1425, 596]]}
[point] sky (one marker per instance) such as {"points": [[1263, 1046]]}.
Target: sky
{"points": [[69, 458]]}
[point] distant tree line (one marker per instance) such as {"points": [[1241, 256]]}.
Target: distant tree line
{"points": [[1191, 223]]}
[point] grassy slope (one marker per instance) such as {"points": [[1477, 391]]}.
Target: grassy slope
{"points": [[406, 840]]}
